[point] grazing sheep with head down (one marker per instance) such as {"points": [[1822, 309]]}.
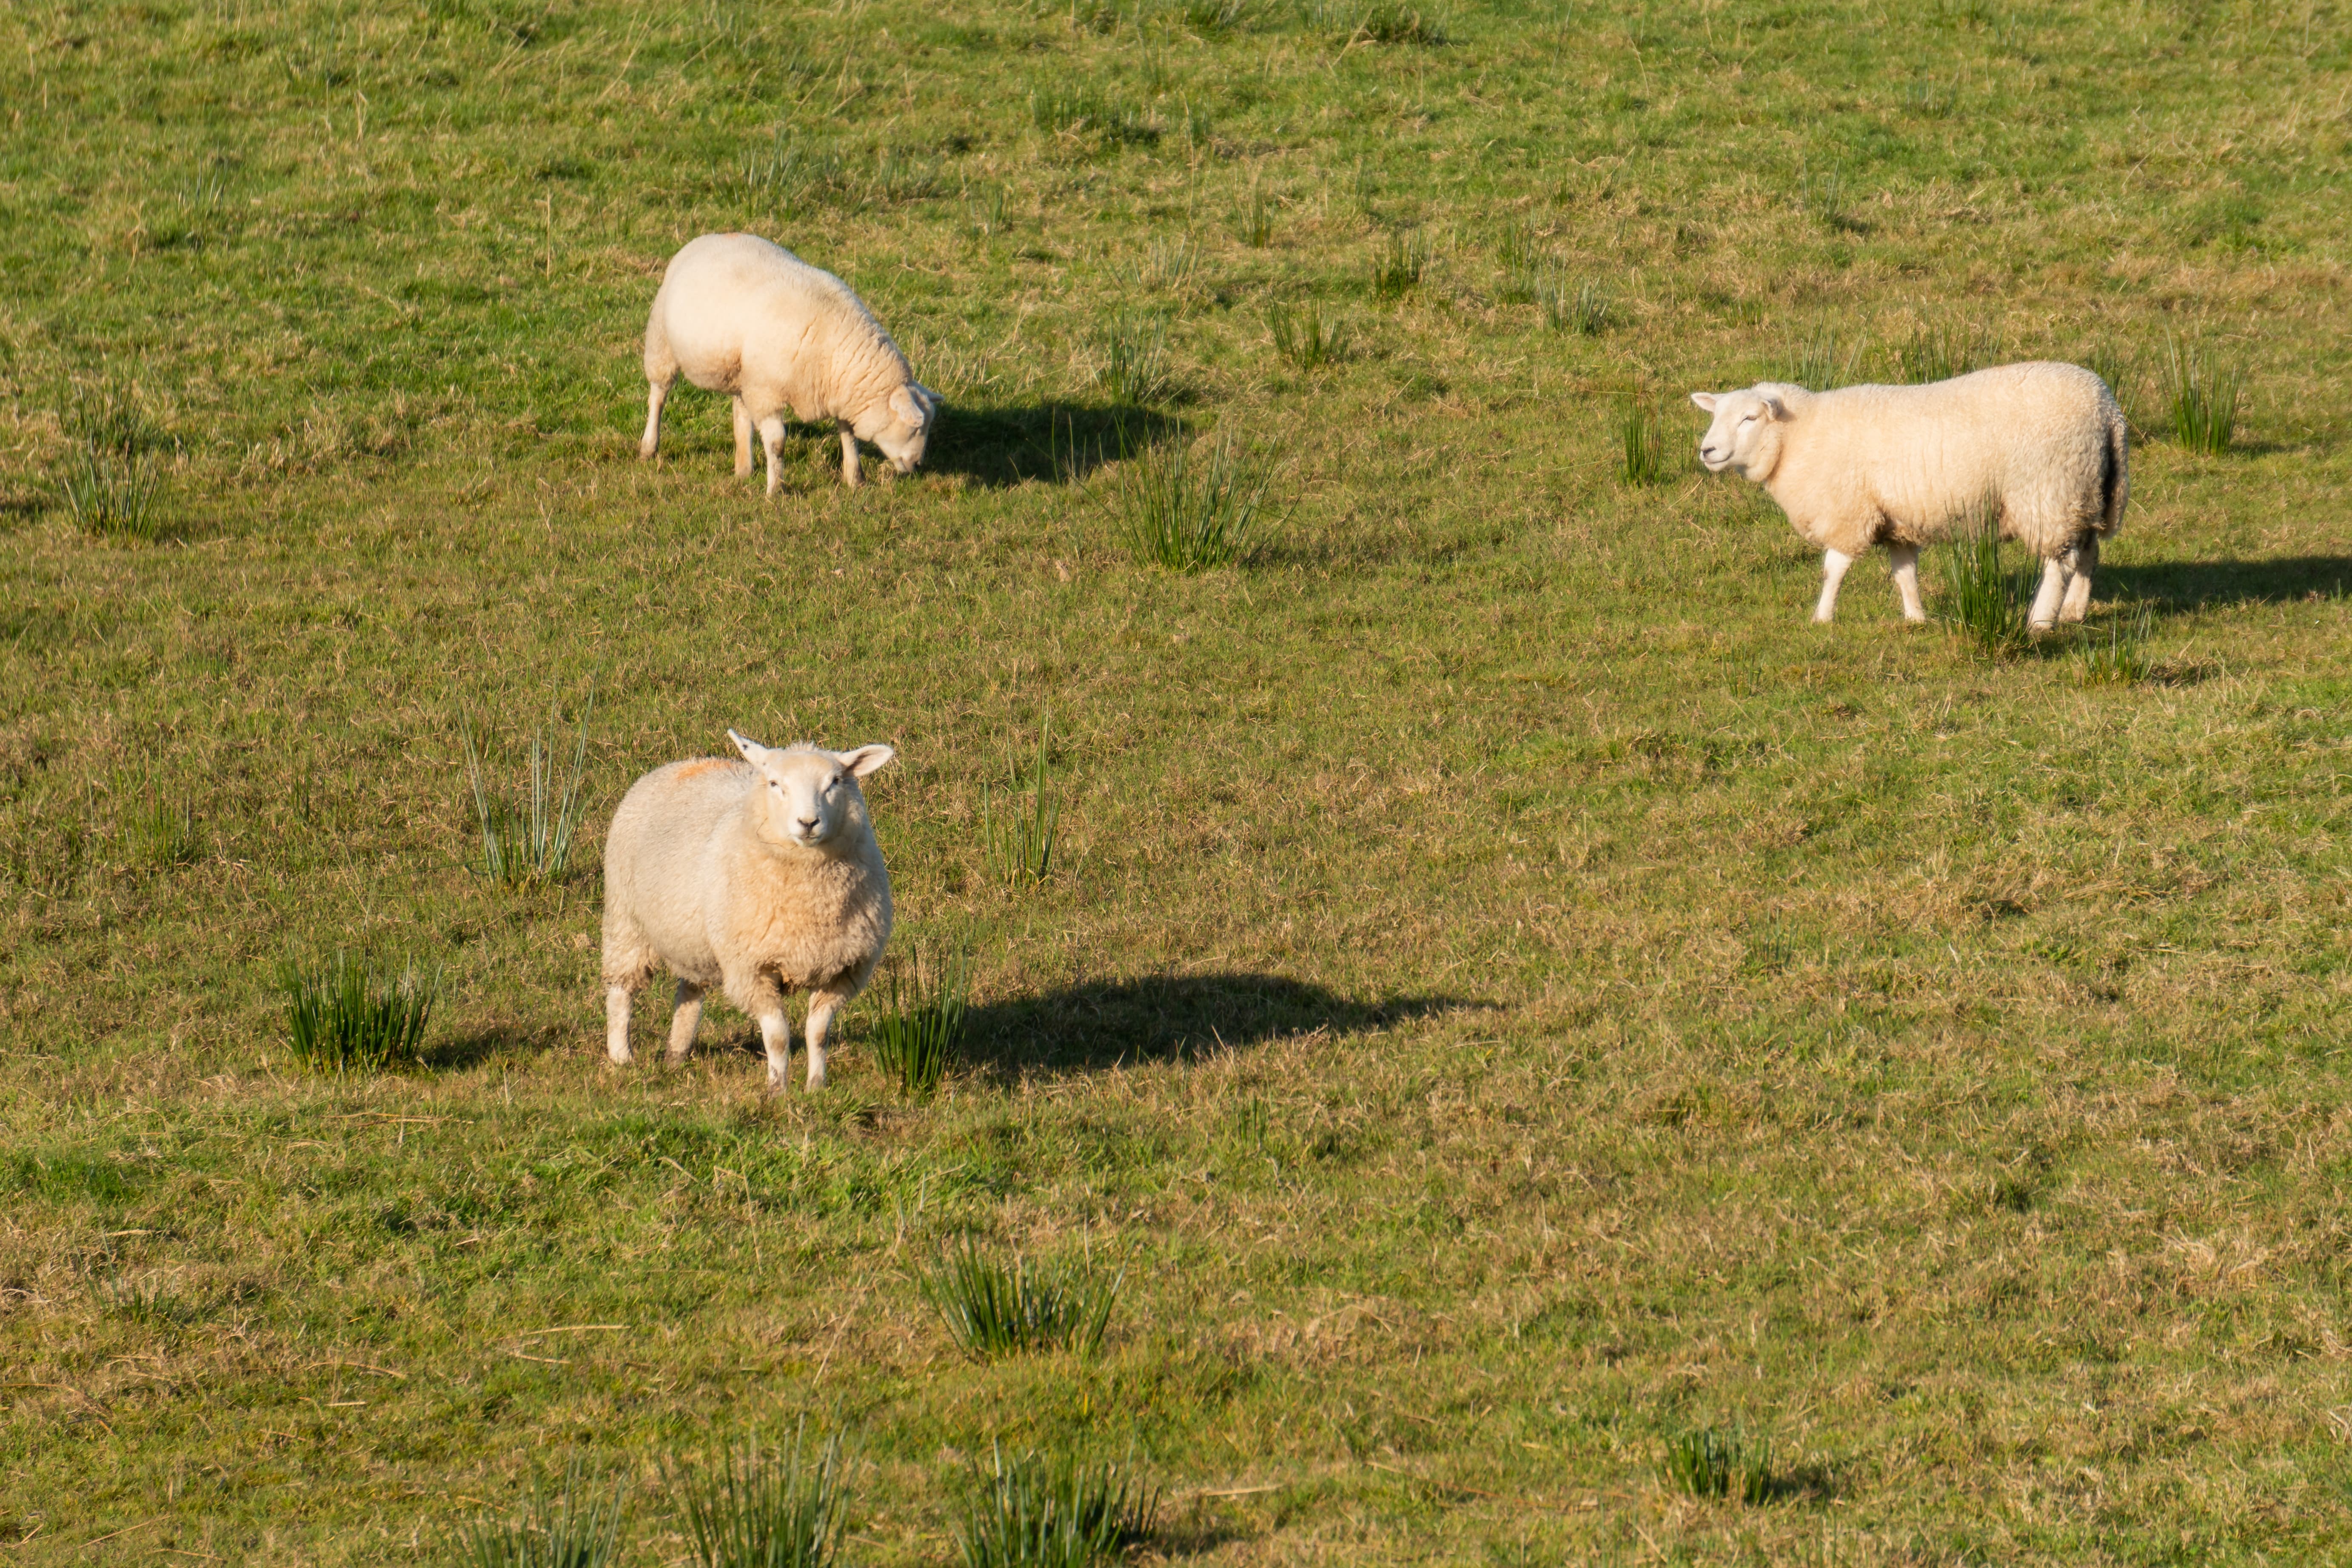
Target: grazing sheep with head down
{"points": [[1907, 466], [761, 877], [739, 315]]}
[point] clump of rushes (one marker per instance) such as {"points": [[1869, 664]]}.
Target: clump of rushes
{"points": [[109, 485], [1253, 218], [1712, 1463], [1521, 253], [921, 1021], [1134, 365], [1188, 516], [777, 1508], [581, 1531], [2202, 396], [1814, 364], [2113, 364], [1940, 352], [1020, 838], [1039, 1510], [2118, 655], [163, 831], [1397, 269], [1826, 198], [1304, 338], [992, 1308], [1584, 312], [529, 840], [1983, 599], [352, 1014], [1642, 434]]}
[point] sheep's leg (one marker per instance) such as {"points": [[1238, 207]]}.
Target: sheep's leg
{"points": [[684, 1018], [823, 1004], [1833, 565], [743, 438], [1905, 560], [849, 455], [776, 1036], [617, 1024], [772, 437], [2045, 601], [655, 396], [2081, 561]]}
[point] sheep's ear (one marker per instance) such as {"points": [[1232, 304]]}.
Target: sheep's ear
{"points": [[866, 760], [1774, 407], [909, 404], [1705, 400], [753, 751]]}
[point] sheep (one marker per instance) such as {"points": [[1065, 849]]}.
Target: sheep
{"points": [[742, 316], [1907, 466], [761, 877]]}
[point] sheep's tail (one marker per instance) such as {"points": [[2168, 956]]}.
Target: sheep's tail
{"points": [[2115, 473]]}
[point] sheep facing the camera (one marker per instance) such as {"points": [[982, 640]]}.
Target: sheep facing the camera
{"points": [[761, 877], [739, 315], [1907, 466]]}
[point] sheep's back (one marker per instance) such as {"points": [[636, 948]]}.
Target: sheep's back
{"points": [[656, 852], [2034, 436]]}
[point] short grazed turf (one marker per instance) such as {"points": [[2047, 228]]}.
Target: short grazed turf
{"points": [[1509, 995]]}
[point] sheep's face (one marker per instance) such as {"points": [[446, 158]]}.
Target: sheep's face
{"points": [[809, 794], [913, 410], [1746, 436]]}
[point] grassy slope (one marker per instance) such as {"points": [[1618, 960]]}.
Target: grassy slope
{"points": [[1517, 990]]}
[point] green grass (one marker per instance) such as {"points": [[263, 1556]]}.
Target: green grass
{"points": [[1987, 598], [1019, 836], [582, 1530], [1708, 1462], [1045, 1511], [1642, 457], [527, 833], [992, 1308], [1510, 991], [1188, 511], [919, 1016], [771, 1508], [2202, 392], [354, 1014], [1305, 338]]}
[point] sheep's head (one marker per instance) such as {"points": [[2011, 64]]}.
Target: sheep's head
{"points": [[809, 794], [1746, 435], [903, 425]]}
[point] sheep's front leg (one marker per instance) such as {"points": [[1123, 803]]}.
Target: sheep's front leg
{"points": [[2046, 600], [743, 438], [655, 398], [823, 1004], [685, 1019], [1833, 565], [849, 456], [2081, 561], [1905, 560], [617, 1024], [771, 436]]}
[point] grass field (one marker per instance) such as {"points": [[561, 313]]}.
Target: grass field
{"points": [[1510, 993]]}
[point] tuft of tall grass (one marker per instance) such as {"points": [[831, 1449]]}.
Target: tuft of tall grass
{"points": [[2119, 654], [1815, 364], [350, 1014], [529, 840], [1584, 312], [1253, 217], [1983, 598], [1712, 1463], [1210, 17], [1825, 196], [1133, 367], [2115, 364], [1304, 338], [920, 1021], [1170, 264], [994, 1309], [110, 484], [2202, 394], [163, 831], [1382, 22], [1039, 1510], [1064, 109], [1397, 269], [1934, 352], [1641, 437], [1521, 252], [1019, 843], [583, 1530], [777, 1508], [1187, 516]]}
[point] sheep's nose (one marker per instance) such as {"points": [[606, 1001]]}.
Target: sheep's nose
{"points": [[808, 825]]}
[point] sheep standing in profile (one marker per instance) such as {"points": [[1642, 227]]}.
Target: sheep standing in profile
{"points": [[761, 877], [1907, 466], [739, 315]]}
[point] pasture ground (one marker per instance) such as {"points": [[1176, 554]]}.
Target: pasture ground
{"points": [[1512, 990]]}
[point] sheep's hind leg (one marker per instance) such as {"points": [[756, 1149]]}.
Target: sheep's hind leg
{"points": [[743, 438], [617, 1024], [1905, 560], [772, 437], [655, 396], [2081, 561], [849, 456], [685, 1019], [2045, 600], [1833, 565]]}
